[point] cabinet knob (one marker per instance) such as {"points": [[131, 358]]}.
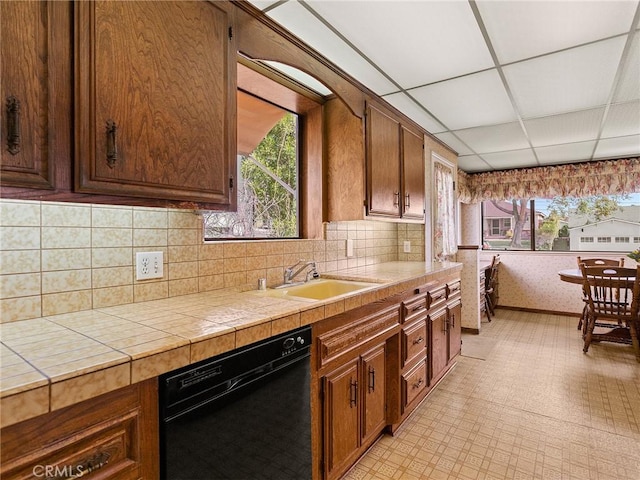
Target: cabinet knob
{"points": [[418, 341], [13, 125], [418, 383]]}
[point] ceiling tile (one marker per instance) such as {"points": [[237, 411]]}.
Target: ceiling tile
{"points": [[454, 142], [570, 152], [468, 101], [566, 128], [574, 79], [407, 106], [618, 147], [622, 119], [629, 86], [512, 159], [437, 40], [262, 4], [524, 29], [494, 138], [301, 23], [472, 163]]}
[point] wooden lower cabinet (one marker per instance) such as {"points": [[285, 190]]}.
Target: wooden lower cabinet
{"points": [[113, 436], [355, 409]]}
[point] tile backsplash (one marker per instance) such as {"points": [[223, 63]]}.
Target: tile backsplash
{"points": [[66, 257]]}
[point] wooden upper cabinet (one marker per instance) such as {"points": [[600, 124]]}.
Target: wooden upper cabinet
{"points": [[413, 174], [383, 163], [156, 100], [395, 167], [34, 47]]}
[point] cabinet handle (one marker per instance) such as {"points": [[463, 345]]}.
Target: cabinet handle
{"points": [[407, 201], [396, 199], [418, 383], [418, 308], [372, 379], [445, 325], [418, 340], [84, 467], [353, 390], [112, 149], [13, 125], [453, 321]]}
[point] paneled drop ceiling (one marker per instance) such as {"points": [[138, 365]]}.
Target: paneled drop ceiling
{"points": [[506, 84]]}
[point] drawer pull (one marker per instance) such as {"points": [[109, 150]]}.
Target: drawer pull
{"points": [[418, 308], [396, 199], [112, 148], [439, 296], [418, 340], [13, 125], [418, 384], [453, 321], [407, 202]]}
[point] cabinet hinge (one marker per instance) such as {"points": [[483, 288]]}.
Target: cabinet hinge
{"points": [[230, 33], [231, 183]]}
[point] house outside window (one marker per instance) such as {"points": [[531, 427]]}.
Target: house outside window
{"points": [[597, 223]]}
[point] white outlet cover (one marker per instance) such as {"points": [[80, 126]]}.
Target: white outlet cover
{"points": [[407, 246], [149, 265]]}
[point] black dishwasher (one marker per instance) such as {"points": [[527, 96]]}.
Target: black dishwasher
{"points": [[243, 415]]}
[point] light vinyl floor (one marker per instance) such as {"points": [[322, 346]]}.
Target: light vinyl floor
{"points": [[535, 408]]}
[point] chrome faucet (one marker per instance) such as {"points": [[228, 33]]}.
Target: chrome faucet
{"points": [[290, 274]]}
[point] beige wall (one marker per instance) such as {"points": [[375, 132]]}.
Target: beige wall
{"points": [[63, 257]]}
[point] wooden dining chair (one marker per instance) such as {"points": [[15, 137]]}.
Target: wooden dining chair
{"points": [[595, 262], [613, 304], [491, 287]]}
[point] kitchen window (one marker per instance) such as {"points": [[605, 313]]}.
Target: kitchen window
{"points": [[602, 222], [279, 132]]}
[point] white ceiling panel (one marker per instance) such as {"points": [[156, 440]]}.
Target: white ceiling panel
{"points": [[525, 29], [618, 147], [403, 103], [441, 38], [558, 67], [629, 86], [567, 153], [455, 143], [622, 119], [511, 159], [571, 80], [565, 128], [308, 28], [472, 163], [507, 136], [469, 101], [262, 4]]}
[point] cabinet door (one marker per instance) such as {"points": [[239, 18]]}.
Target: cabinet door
{"points": [[413, 174], [34, 55], [374, 416], [156, 99], [383, 163], [341, 425], [439, 343], [454, 313]]}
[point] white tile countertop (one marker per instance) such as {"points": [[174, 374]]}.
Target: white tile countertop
{"points": [[52, 362]]}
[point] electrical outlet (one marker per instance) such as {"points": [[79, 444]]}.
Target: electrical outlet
{"points": [[349, 247], [149, 265], [407, 246]]}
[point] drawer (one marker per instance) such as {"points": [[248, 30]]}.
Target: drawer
{"points": [[340, 341], [414, 308], [414, 341], [437, 297], [414, 382]]}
